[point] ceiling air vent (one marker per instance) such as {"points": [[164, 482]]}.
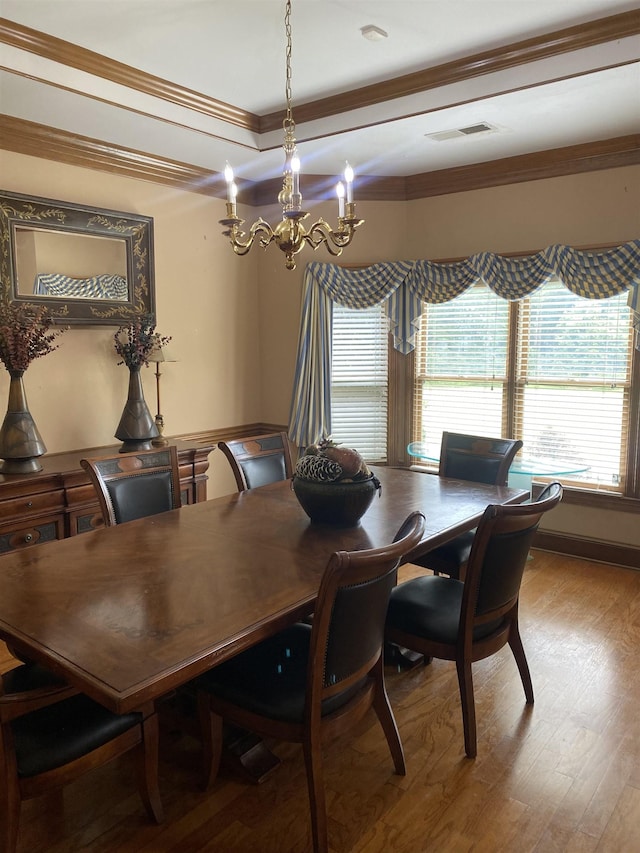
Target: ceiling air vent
{"points": [[470, 130]]}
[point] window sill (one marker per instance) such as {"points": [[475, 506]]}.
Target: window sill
{"points": [[593, 498]]}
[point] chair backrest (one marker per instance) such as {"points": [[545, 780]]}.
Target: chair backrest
{"points": [[498, 558], [259, 459], [348, 624], [477, 458], [134, 485]]}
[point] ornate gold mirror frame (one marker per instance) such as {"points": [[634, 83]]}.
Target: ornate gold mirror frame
{"points": [[89, 266]]}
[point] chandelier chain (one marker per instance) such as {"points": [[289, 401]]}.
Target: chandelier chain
{"points": [[288, 123]]}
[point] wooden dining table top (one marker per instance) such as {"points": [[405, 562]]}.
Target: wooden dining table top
{"points": [[129, 613]]}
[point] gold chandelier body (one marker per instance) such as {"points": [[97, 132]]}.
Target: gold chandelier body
{"points": [[290, 235]]}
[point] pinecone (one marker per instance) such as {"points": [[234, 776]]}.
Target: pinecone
{"points": [[318, 468]]}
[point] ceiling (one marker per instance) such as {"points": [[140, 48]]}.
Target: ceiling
{"points": [[202, 82]]}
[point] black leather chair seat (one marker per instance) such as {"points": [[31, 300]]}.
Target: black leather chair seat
{"points": [[55, 735], [30, 676], [430, 607], [448, 558], [270, 679]]}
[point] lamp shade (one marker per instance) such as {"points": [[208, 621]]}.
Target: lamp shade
{"points": [[162, 354]]}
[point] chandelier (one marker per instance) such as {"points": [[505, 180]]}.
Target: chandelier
{"points": [[290, 235]]}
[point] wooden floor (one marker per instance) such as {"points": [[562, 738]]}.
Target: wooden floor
{"points": [[563, 775]]}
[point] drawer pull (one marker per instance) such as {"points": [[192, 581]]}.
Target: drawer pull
{"points": [[28, 537], [29, 503]]}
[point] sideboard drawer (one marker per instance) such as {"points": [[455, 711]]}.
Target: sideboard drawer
{"points": [[46, 531], [28, 506]]}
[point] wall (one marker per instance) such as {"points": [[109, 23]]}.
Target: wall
{"points": [[206, 299], [592, 208]]}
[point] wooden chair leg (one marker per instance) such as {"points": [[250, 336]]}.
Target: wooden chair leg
{"points": [[382, 708], [315, 783], [515, 643], [10, 800], [10, 815], [465, 682], [148, 769], [211, 730]]}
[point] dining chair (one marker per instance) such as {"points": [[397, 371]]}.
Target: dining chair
{"points": [[480, 460], [442, 617], [258, 460], [134, 485], [311, 682], [50, 734]]}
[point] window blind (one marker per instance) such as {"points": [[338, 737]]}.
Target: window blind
{"points": [[573, 381], [461, 367], [565, 390], [359, 371]]}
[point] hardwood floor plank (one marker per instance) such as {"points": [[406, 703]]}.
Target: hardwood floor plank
{"points": [[562, 775]]}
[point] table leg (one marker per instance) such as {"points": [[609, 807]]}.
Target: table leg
{"points": [[403, 659], [244, 754]]}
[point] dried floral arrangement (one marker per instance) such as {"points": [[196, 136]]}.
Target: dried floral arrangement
{"points": [[137, 340], [25, 334]]}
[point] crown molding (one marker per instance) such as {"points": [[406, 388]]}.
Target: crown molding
{"points": [[600, 31], [553, 163], [47, 143], [65, 53], [567, 40]]}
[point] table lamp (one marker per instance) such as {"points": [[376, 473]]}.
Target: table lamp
{"points": [[159, 355]]}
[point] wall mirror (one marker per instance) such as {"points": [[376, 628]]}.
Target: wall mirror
{"points": [[87, 265]]}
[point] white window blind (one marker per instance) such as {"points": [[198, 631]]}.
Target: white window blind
{"points": [[573, 381], [359, 370], [461, 368], [565, 392]]}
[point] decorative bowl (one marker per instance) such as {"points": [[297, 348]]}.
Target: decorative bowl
{"points": [[341, 503]]}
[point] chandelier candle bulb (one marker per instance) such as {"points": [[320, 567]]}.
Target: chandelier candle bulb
{"points": [[295, 170], [228, 176], [340, 194], [348, 177]]}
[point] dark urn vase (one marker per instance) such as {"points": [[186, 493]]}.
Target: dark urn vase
{"points": [[341, 503], [20, 441], [137, 426]]}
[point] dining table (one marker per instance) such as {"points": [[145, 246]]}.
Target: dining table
{"points": [[129, 613]]}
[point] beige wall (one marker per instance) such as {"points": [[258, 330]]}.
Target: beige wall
{"points": [[234, 321], [596, 207], [206, 299]]}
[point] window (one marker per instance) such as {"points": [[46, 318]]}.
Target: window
{"points": [[359, 380], [553, 369]]}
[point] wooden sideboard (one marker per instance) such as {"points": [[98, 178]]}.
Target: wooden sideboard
{"points": [[59, 501]]}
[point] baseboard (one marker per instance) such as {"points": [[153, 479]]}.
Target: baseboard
{"points": [[589, 549]]}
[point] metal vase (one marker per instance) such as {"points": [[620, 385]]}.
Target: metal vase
{"points": [[20, 441], [137, 426]]}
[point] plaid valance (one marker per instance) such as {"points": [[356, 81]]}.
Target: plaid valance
{"points": [[406, 285]]}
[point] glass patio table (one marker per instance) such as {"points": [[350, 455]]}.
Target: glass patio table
{"points": [[522, 471]]}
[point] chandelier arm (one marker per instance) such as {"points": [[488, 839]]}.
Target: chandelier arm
{"points": [[321, 232], [236, 235], [264, 231]]}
